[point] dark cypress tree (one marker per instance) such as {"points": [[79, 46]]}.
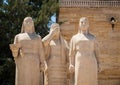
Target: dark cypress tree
{"points": [[12, 13]]}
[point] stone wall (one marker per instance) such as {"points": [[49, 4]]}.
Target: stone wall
{"points": [[108, 39]]}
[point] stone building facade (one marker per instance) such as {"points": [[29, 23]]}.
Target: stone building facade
{"points": [[100, 14]]}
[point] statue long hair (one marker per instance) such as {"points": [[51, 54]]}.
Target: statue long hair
{"points": [[23, 25]]}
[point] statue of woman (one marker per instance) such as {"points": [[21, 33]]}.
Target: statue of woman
{"points": [[56, 55], [82, 55], [28, 54]]}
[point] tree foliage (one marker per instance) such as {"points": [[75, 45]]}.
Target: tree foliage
{"points": [[12, 13]]}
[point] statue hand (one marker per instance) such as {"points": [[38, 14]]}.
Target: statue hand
{"points": [[46, 69], [44, 66], [15, 49], [100, 69], [53, 31], [72, 68]]}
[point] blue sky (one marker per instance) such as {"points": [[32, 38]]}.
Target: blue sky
{"points": [[5, 1], [52, 20]]}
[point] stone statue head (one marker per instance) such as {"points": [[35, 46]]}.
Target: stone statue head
{"points": [[56, 28], [84, 24], [28, 25]]}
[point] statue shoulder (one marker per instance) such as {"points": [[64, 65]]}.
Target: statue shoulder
{"points": [[74, 37], [91, 36], [38, 36], [16, 36], [20, 34]]}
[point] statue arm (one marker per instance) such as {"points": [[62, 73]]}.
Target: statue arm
{"points": [[72, 56], [46, 40], [15, 47], [42, 55], [72, 53], [66, 52], [96, 53]]}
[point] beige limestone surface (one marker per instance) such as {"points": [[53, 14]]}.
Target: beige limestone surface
{"points": [[108, 39], [28, 54], [82, 55], [56, 55]]}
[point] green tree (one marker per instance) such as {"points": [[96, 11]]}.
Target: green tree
{"points": [[12, 13]]}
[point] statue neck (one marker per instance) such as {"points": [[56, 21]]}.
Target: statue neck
{"points": [[85, 32]]}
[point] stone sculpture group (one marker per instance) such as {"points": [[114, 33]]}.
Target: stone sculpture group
{"points": [[54, 57]]}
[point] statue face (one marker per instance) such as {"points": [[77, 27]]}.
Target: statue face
{"points": [[83, 24], [28, 24]]}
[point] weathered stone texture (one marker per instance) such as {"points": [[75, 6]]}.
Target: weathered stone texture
{"points": [[108, 39]]}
